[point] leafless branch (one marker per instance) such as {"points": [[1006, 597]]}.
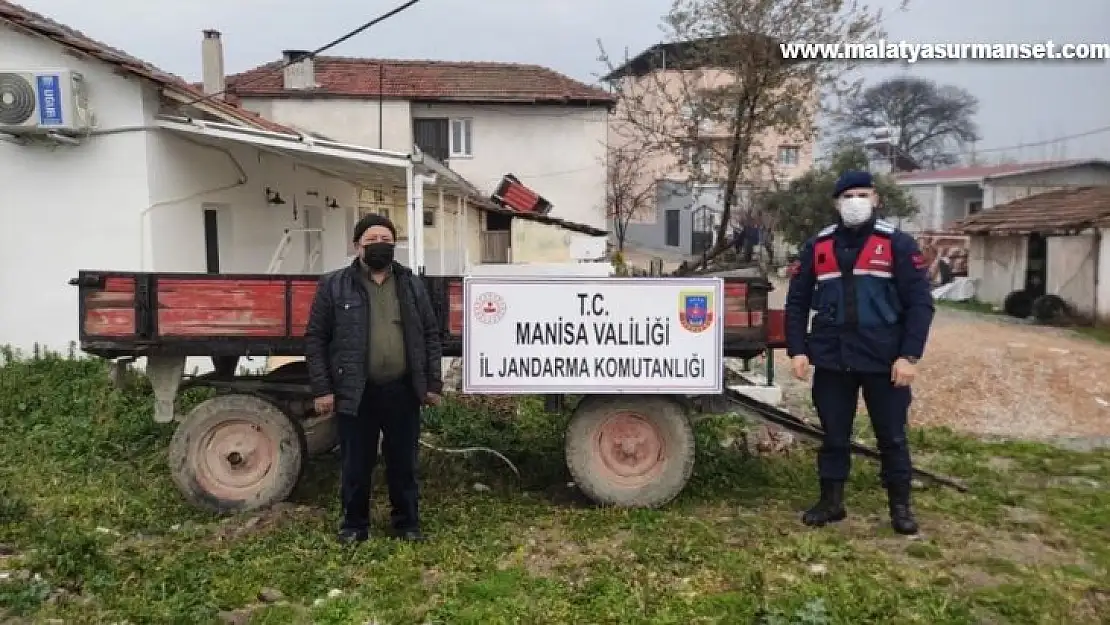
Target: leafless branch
{"points": [[713, 103]]}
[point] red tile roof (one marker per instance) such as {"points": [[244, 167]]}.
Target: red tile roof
{"points": [[986, 171], [76, 40], [1055, 212], [458, 81]]}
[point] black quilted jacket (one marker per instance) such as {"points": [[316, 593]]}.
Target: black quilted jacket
{"points": [[336, 337]]}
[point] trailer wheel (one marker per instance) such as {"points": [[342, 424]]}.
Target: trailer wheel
{"points": [[235, 453], [630, 451]]}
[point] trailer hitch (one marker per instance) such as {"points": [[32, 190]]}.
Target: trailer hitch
{"points": [[788, 421]]}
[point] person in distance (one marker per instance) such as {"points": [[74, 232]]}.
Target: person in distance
{"points": [[374, 357], [866, 280]]}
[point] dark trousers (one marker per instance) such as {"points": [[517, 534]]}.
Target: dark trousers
{"points": [[836, 395], [392, 412]]}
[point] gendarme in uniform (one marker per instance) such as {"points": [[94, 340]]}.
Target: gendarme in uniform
{"points": [[865, 282]]}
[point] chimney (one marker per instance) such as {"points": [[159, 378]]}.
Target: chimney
{"points": [[300, 71], [212, 63]]}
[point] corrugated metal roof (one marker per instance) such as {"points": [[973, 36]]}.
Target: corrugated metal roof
{"points": [[1055, 212]]}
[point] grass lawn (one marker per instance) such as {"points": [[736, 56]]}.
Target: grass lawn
{"points": [[92, 531]]}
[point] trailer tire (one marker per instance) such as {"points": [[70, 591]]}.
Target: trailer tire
{"points": [[630, 451], [235, 453]]}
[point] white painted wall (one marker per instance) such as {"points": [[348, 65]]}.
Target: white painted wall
{"points": [[67, 208], [186, 178], [997, 264], [343, 119], [1071, 266], [558, 151], [1102, 278], [134, 200]]}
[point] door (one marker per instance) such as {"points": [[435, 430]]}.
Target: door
{"points": [[313, 240], [701, 229], [1036, 266], [432, 136], [671, 227], [212, 240]]}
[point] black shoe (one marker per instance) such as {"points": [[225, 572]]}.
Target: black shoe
{"points": [[349, 536], [411, 536], [829, 508], [901, 514]]}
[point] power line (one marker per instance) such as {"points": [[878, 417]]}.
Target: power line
{"points": [[1034, 144], [324, 48]]}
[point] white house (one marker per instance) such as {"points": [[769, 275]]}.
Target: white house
{"points": [[108, 163], [483, 120], [946, 196]]}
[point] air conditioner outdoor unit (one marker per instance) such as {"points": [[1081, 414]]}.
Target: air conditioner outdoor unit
{"points": [[41, 102]]}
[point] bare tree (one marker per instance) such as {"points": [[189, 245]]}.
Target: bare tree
{"points": [[628, 192], [930, 122], [719, 87]]}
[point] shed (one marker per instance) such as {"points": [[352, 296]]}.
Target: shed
{"points": [[1056, 242]]}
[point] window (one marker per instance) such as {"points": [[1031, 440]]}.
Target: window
{"points": [[429, 218], [461, 131], [974, 206], [433, 137], [699, 160], [789, 155]]}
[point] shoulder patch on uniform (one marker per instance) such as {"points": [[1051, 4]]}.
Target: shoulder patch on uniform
{"points": [[883, 226], [827, 230], [919, 261]]}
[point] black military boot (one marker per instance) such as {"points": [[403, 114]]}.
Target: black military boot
{"points": [[901, 515], [829, 508]]}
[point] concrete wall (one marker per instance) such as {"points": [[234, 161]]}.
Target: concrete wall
{"points": [[1102, 277], [997, 264], [1072, 265]]}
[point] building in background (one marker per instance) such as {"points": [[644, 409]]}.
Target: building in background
{"points": [[481, 120], [688, 208]]}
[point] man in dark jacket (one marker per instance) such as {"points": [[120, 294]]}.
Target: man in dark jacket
{"points": [[374, 357], [867, 283]]}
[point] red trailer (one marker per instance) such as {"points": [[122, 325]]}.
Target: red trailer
{"points": [[245, 447]]}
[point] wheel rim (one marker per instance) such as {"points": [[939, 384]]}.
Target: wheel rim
{"points": [[232, 460], [629, 449]]}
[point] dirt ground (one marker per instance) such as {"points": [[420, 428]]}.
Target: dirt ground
{"points": [[994, 376]]}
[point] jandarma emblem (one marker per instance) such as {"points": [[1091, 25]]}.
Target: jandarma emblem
{"points": [[695, 310]]}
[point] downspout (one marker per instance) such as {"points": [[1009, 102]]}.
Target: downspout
{"points": [[410, 184]]}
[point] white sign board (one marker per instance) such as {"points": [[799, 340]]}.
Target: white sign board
{"points": [[566, 335]]}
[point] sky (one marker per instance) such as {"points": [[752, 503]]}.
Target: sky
{"points": [[1021, 102]]}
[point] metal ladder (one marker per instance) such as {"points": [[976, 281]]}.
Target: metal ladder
{"points": [[278, 259]]}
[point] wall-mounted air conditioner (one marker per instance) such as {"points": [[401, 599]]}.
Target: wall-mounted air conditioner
{"points": [[42, 102]]}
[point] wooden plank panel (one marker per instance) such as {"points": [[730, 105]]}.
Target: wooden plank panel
{"points": [[455, 308], [212, 299], [114, 322], [216, 282], [199, 323], [303, 293], [109, 299], [120, 284]]}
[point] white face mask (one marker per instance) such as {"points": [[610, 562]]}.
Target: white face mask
{"points": [[855, 210]]}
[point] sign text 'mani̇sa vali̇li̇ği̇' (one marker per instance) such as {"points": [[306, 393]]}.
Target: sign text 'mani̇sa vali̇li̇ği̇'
{"points": [[592, 335]]}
